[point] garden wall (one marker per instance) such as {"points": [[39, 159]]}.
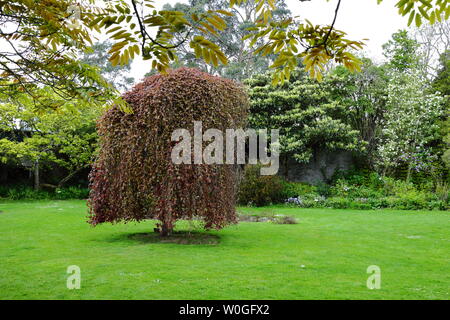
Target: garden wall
{"points": [[320, 168]]}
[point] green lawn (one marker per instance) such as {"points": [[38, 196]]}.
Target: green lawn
{"points": [[325, 256]]}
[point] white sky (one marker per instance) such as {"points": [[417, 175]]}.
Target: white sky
{"points": [[359, 18]]}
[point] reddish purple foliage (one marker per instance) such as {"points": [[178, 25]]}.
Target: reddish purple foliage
{"points": [[134, 178]]}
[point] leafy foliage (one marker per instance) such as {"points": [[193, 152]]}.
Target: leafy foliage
{"points": [[442, 85], [363, 95], [40, 44], [242, 62], [134, 177], [127, 23], [423, 9], [259, 190], [304, 111], [353, 189], [410, 124], [97, 56], [44, 39], [65, 137], [356, 189], [27, 193], [411, 120], [292, 41], [401, 52]]}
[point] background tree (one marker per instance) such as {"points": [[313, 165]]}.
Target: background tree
{"points": [[242, 63], [402, 52], [411, 124], [441, 84], [433, 40], [322, 44], [291, 40], [97, 56], [306, 114], [66, 138], [363, 96], [45, 40], [413, 110]]}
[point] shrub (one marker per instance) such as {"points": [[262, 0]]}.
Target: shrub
{"points": [[343, 189], [259, 190], [28, 193], [297, 189], [338, 203], [442, 190], [313, 201], [393, 187], [71, 193], [323, 189], [367, 190], [411, 200], [134, 177]]}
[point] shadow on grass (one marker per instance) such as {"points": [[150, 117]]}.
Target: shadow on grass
{"points": [[178, 237]]}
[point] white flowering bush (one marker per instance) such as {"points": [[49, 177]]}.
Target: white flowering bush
{"points": [[410, 123]]}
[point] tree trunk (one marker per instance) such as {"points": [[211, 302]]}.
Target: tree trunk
{"points": [[166, 229], [68, 177], [383, 174], [37, 184]]}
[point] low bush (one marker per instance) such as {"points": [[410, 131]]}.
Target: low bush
{"points": [[296, 189], [354, 190], [343, 188], [259, 190], [28, 193], [71, 193]]}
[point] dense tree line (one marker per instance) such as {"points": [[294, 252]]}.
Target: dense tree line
{"points": [[391, 116]]}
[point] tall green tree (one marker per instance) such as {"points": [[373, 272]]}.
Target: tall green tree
{"points": [[304, 110], [442, 85], [411, 124], [364, 96], [413, 110], [242, 63], [401, 52], [66, 137]]}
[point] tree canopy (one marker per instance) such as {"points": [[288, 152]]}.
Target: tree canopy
{"points": [[66, 138], [44, 40], [40, 47], [134, 177], [306, 113]]}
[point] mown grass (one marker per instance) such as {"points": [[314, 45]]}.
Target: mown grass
{"points": [[324, 256]]}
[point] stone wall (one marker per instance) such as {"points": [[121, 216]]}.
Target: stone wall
{"points": [[320, 169]]}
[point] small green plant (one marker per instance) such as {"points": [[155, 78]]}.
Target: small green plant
{"points": [[442, 189], [297, 189], [259, 190]]}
